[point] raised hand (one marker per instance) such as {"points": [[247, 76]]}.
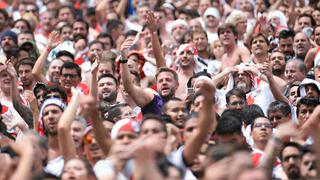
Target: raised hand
{"points": [[96, 63], [266, 69], [152, 22], [125, 48], [54, 39], [287, 130], [207, 89]]}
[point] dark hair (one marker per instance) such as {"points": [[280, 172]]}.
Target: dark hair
{"points": [[115, 110], [196, 75], [165, 69], [64, 26], [131, 33], [108, 76], [57, 89], [164, 164], [24, 21], [235, 92], [87, 166], [96, 42], [313, 22], [106, 35], [27, 32], [64, 53], [220, 151], [254, 120], [71, 65], [26, 61], [193, 14], [73, 13], [307, 102], [83, 22], [153, 117], [281, 106], [227, 26], [234, 113], [284, 34], [4, 13], [113, 24], [255, 36], [77, 37], [251, 112], [164, 107], [228, 125], [290, 144]]}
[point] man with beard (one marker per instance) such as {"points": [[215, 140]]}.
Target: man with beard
{"points": [[50, 114], [25, 74], [188, 65], [286, 43], [236, 99], [278, 64], [290, 157], [9, 40], [147, 99], [107, 89], [178, 29]]}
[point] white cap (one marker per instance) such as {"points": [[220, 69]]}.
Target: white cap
{"points": [[211, 11]]}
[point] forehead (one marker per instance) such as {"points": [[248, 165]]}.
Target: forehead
{"points": [[165, 74], [234, 98], [261, 120], [175, 103], [25, 66], [67, 70], [276, 54], [300, 36], [56, 62], [79, 24], [107, 80], [290, 150], [243, 73], [96, 45], [151, 123], [259, 38], [52, 108]]}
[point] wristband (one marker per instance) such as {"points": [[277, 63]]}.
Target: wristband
{"points": [[48, 48], [123, 61]]}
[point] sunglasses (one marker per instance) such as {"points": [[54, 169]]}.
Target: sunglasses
{"points": [[261, 125], [72, 76]]}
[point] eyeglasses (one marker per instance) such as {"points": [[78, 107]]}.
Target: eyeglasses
{"points": [[276, 118], [72, 76], [235, 103], [261, 125]]}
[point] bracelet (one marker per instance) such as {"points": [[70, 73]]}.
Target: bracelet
{"points": [[123, 61], [48, 48]]}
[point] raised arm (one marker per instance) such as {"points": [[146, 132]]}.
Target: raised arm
{"points": [[276, 92], [94, 71], [100, 133], [123, 4], [40, 63], [25, 151], [156, 47], [140, 96], [309, 60], [206, 123], [66, 143], [224, 73], [274, 144]]}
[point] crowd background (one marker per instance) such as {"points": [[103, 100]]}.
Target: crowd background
{"points": [[160, 89]]}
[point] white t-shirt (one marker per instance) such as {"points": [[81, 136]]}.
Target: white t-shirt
{"points": [[55, 166]]}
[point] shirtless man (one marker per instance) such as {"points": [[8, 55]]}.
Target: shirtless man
{"points": [[259, 48], [234, 54], [312, 60]]}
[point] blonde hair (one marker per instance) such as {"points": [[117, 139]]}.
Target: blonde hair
{"points": [[235, 17]]}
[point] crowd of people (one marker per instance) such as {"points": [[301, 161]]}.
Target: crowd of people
{"points": [[160, 89]]}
